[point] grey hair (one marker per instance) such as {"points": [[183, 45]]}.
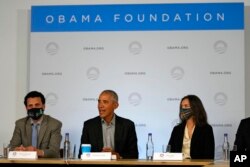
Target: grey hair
{"points": [[112, 93]]}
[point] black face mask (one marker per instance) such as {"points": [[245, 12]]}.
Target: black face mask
{"points": [[186, 113], [35, 113]]}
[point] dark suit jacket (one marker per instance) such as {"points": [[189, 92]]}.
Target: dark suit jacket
{"points": [[125, 137], [202, 142], [49, 138], [243, 135]]}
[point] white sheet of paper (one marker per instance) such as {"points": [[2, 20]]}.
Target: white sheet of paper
{"points": [[168, 156], [22, 155], [96, 156]]}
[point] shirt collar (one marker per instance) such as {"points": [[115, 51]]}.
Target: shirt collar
{"points": [[39, 122], [112, 121]]}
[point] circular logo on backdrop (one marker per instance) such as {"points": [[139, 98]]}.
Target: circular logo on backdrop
{"points": [[220, 98], [93, 73], [52, 48], [220, 47], [177, 73], [135, 48], [134, 99], [51, 99]]}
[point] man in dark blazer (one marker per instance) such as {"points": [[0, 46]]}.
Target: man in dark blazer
{"points": [[242, 140], [109, 132], [47, 142]]}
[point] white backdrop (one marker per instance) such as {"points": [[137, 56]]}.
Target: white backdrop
{"points": [[150, 70]]}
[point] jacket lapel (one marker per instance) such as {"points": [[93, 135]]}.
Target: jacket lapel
{"points": [[42, 130], [118, 131], [99, 133], [28, 132]]}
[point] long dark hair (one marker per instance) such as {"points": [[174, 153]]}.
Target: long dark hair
{"points": [[200, 115]]}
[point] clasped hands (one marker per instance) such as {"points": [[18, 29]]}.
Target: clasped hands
{"points": [[109, 149], [40, 153]]}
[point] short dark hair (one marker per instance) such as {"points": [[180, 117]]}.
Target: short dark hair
{"points": [[34, 94]]}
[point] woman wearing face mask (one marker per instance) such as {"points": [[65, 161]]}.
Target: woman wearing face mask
{"points": [[193, 136]]}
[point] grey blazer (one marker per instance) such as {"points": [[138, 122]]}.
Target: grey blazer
{"points": [[49, 138]]}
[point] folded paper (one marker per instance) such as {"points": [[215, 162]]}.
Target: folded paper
{"points": [[168, 156], [96, 156], [22, 155]]}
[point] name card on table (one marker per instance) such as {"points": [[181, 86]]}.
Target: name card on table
{"points": [[96, 156], [22, 155], [168, 156]]}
